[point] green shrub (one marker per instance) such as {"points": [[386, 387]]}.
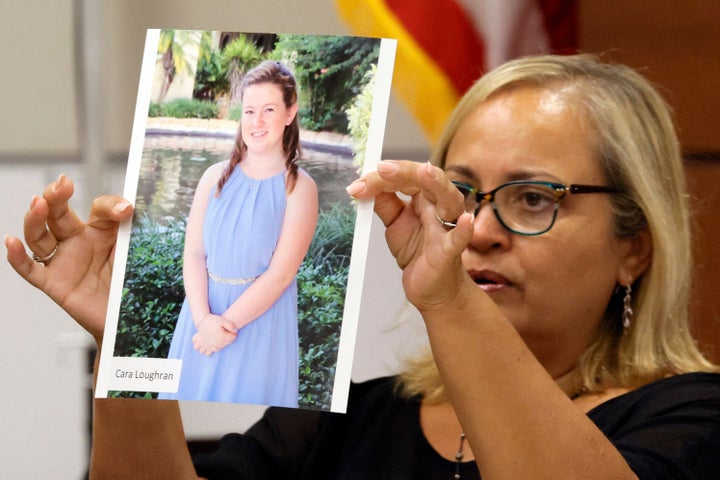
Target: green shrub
{"points": [[235, 113], [322, 279], [185, 108], [320, 306], [153, 291], [332, 242], [155, 110]]}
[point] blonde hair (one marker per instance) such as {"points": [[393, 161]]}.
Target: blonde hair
{"points": [[639, 152]]}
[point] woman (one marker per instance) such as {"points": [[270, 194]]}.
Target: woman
{"points": [[556, 314], [249, 228]]}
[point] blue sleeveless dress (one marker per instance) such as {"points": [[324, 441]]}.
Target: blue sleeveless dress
{"points": [[240, 234]]}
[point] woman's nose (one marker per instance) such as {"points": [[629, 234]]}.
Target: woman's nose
{"points": [[488, 232]]}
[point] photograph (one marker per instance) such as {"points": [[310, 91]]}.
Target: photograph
{"points": [[238, 264]]}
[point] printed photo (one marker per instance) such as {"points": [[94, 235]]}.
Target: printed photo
{"points": [[238, 279]]}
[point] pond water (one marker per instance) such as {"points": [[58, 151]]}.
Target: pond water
{"points": [[173, 164]]}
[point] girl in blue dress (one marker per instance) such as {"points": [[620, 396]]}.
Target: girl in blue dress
{"points": [[250, 225]]}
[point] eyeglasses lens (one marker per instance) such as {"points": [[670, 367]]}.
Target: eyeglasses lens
{"points": [[524, 208]]}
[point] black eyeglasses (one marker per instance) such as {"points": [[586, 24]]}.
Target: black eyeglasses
{"points": [[525, 207]]}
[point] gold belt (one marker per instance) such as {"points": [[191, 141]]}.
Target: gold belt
{"points": [[230, 281]]}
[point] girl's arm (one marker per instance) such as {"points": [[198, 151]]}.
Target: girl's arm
{"points": [[214, 332], [296, 235], [194, 263]]}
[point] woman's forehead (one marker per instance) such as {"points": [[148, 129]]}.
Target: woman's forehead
{"points": [[524, 129]]}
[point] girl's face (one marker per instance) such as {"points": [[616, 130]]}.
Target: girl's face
{"points": [[264, 118], [554, 287]]}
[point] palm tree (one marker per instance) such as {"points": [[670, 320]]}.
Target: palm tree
{"points": [[238, 57], [172, 49]]}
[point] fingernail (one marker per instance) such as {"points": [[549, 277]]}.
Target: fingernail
{"points": [[59, 181], [356, 187], [386, 166], [430, 168], [121, 207], [33, 201]]}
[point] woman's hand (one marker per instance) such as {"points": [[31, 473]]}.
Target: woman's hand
{"points": [[428, 252], [215, 332], [78, 275]]}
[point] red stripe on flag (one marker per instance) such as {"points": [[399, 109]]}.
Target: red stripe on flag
{"points": [[447, 35], [561, 24]]}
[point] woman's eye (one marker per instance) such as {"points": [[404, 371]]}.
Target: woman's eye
{"points": [[535, 199], [532, 199]]}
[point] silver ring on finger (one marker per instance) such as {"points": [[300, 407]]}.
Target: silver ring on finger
{"points": [[445, 223], [46, 259]]}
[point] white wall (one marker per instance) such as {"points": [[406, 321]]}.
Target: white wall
{"points": [[37, 86], [38, 82], [44, 381], [44, 389]]}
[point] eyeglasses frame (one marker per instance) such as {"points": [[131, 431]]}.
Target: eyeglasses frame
{"points": [[561, 191]]}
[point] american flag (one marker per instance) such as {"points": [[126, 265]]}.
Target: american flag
{"points": [[445, 45]]}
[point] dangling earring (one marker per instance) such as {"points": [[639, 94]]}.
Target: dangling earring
{"points": [[627, 315]]}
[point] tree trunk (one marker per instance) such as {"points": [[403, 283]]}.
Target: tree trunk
{"points": [[169, 68]]}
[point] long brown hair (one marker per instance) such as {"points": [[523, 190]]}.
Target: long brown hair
{"points": [[275, 73]]}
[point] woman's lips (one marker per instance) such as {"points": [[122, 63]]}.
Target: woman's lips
{"points": [[489, 281]]}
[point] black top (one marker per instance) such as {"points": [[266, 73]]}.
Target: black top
{"points": [[669, 429]]}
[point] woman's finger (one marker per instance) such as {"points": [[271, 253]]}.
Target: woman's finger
{"points": [[411, 178], [439, 190], [388, 208], [109, 210], [21, 262], [37, 236], [373, 184], [454, 241], [61, 220], [462, 234]]}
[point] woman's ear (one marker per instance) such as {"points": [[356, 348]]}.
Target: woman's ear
{"points": [[637, 259], [292, 111]]}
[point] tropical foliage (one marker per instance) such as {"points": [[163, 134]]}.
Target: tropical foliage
{"points": [[331, 70], [210, 78], [172, 52], [358, 115], [237, 58]]}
